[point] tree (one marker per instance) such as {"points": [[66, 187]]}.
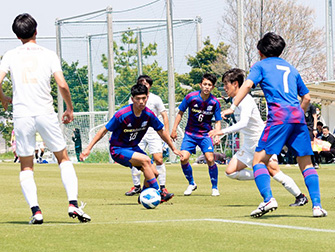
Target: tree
{"points": [[6, 125], [294, 22]]}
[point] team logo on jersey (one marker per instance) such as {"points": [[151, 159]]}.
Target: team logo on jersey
{"points": [[129, 125], [196, 106], [209, 108], [209, 147], [144, 124]]}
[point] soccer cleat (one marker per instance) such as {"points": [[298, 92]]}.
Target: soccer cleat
{"points": [[165, 195], [134, 190], [300, 201], [215, 192], [37, 218], [264, 208], [77, 212], [190, 189], [319, 212]]}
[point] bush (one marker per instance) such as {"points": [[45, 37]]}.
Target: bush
{"points": [[98, 157]]}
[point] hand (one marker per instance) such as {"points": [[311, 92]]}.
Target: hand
{"points": [[84, 154], [5, 101], [178, 153], [173, 135], [226, 112], [67, 116], [217, 140], [215, 132]]}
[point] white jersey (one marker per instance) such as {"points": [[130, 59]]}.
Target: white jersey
{"points": [[155, 104], [249, 121], [31, 67]]}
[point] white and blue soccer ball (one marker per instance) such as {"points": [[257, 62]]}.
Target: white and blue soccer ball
{"points": [[150, 198]]}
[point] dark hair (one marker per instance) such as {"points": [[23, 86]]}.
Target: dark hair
{"points": [[139, 89], [271, 45], [24, 26], [319, 124], [211, 77], [146, 78], [326, 127], [232, 75]]}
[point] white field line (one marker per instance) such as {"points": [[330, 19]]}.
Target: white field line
{"points": [[190, 220]]}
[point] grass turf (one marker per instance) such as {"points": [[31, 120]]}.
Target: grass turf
{"points": [[195, 223]]}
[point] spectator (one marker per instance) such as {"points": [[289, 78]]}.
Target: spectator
{"points": [[328, 155]]}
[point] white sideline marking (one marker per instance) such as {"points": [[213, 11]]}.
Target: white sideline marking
{"points": [[195, 220]]}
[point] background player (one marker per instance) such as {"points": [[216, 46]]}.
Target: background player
{"points": [[129, 125], [151, 139], [250, 123], [39, 148], [31, 67], [202, 106], [281, 84]]}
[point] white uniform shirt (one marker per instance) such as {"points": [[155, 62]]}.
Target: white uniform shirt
{"points": [[31, 67], [155, 104], [248, 118]]}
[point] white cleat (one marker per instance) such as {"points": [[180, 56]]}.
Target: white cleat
{"points": [[264, 208], [190, 189], [77, 212], [319, 212], [36, 219], [215, 192]]}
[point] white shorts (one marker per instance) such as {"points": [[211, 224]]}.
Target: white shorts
{"points": [[25, 129], [153, 142], [39, 145]]}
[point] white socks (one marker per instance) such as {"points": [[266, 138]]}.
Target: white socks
{"points": [[29, 187], [136, 175], [69, 179], [288, 183], [244, 174], [162, 174]]}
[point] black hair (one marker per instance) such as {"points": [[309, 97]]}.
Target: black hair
{"points": [[319, 124], [271, 45], [234, 74], [326, 127], [24, 26], [211, 77], [143, 77], [139, 89]]}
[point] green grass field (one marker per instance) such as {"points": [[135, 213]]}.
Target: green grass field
{"points": [[195, 223]]}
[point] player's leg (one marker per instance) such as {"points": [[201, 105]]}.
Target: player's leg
{"points": [[286, 181], [311, 177], [236, 168]]}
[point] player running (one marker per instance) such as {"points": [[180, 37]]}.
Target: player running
{"points": [[129, 125], [250, 123], [151, 140], [281, 84], [31, 67], [202, 106]]}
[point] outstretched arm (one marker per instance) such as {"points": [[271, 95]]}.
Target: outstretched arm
{"points": [[175, 125], [305, 99], [101, 133], [166, 138]]}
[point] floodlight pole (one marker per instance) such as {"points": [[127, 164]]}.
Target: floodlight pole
{"points": [[90, 79], [198, 21], [171, 83], [139, 52], [330, 39], [60, 102], [111, 87]]}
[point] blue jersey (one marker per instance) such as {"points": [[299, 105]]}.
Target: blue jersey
{"points": [[281, 84], [128, 130], [200, 113]]}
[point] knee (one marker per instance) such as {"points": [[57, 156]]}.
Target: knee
{"points": [[159, 161], [232, 175]]}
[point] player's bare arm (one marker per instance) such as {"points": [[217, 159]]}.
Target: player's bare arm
{"points": [[175, 125], [305, 100], [217, 127], [4, 99], [65, 92], [101, 133], [165, 136], [165, 121]]}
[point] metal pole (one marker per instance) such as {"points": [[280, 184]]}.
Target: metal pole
{"points": [[111, 88], [171, 84], [240, 34], [199, 40], [90, 80], [139, 52], [330, 39], [60, 102], [261, 24]]}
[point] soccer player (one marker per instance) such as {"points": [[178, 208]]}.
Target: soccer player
{"points": [[39, 148], [31, 67], [128, 126], [151, 140], [250, 123], [202, 106], [281, 84]]}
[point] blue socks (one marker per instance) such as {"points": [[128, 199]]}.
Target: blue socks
{"points": [[312, 183], [187, 170], [213, 174], [262, 179], [152, 183]]}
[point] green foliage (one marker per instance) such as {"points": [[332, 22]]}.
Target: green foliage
{"points": [[6, 126], [98, 157]]}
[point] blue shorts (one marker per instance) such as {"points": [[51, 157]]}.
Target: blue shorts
{"points": [[122, 155], [294, 135], [190, 143]]}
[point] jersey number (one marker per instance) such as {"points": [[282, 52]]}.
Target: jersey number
{"points": [[133, 136], [200, 118], [285, 76]]}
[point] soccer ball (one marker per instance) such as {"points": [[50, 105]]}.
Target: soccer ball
{"points": [[150, 198]]}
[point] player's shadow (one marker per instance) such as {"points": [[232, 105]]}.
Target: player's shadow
{"points": [[45, 223], [122, 204]]}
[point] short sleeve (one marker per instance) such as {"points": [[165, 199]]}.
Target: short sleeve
{"points": [[302, 89], [255, 74], [112, 124], [4, 65], [55, 63], [183, 105]]}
